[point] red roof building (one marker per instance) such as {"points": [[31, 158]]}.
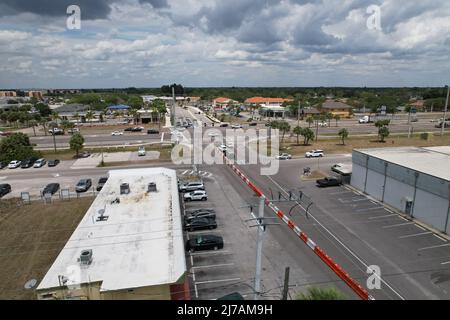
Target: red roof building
{"points": [[266, 101]]}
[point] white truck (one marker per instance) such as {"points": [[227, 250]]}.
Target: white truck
{"points": [[365, 119]]}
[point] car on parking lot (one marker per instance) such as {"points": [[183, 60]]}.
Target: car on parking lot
{"points": [[4, 189], [56, 131], [141, 151], [328, 182], [53, 163], [117, 133], [284, 156], [252, 124], [323, 124], [28, 163], [101, 183], [204, 242], [51, 188], [446, 125], [84, 154], [73, 130], [152, 131], [200, 214], [191, 186], [200, 224], [83, 185], [236, 126], [3, 165], [40, 163], [14, 164], [137, 129], [198, 195], [341, 169], [314, 154], [223, 124]]}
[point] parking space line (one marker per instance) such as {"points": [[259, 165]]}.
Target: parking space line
{"points": [[397, 225], [340, 192], [434, 247], [415, 235], [385, 216], [220, 280], [209, 252], [214, 265], [390, 211], [440, 238], [369, 209], [420, 227], [403, 218], [373, 202], [447, 262]]}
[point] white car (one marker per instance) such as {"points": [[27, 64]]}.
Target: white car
{"points": [[198, 195], [14, 164], [283, 156], [323, 124], [314, 154], [236, 126], [141, 151], [40, 163], [117, 133]]}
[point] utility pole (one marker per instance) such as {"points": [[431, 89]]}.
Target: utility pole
{"points": [[261, 230], [54, 139], [298, 115], [286, 284], [174, 103], [445, 112]]}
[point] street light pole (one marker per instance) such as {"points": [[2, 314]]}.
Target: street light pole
{"points": [[259, 248], [445, 112]]}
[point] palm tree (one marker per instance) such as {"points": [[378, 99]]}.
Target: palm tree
{"points": [[297, 131], [337, 118], [284, 127], [133, 113], [329, 116], [310, 121], [90, 115], [44, 122], [343, 133], [33, 123], [55, 117]]}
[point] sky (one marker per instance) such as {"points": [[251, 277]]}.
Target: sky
{"points": [[222, 43]]}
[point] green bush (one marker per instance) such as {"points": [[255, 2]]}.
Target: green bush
{"points": [[424, 136]]}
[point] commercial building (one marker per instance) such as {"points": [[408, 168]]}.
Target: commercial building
{"points": [[336, 108], [8, 94], [129, 245], [77, 113], [34, 94], [413, 180], [223, 102], [268, 102]]}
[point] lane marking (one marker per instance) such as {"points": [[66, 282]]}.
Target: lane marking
{"points": [[220, 280], [447, 262], [397, 225], [390, 211], [440, 238], [373, 202], [420, 227], [434, 247], [415, 235], [369, 209], [403, 218], [214, 265], [385, 216]]}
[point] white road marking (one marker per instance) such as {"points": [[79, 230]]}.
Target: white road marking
{"points": [[403, 218], [385, 216], [184, 172], [340, 192], [209, 252], [415, 235], [420, 227], [434, 247], [369, 209], [447, 262], [373, 202], [214, 265], [440, 238], [397, 225], [220, 280], [390, 211], [162, 137]]}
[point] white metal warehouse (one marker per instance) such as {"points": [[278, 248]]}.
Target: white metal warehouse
{"points": [[413, 180]]}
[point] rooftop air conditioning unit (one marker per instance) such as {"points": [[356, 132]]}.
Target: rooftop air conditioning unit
{"points": [[85, 257], [124, 188], [152, 187]]}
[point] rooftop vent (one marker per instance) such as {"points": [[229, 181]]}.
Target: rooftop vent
{"points": [[124, 188], [101, 216], [85, 257], [152, 187]]}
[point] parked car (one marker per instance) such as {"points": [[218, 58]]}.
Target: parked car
{"points": [[53, 163], [194, 211], [137, 129], [28, 163], [224, 124], [342, 169], [56, 131], [213, 134], [101, 183], [141, 151], [236, 126], [191, 186], [152, 131], [84, 154], [73, 130], [200, 224], [447, 125], [323, 124], [14, 164], [83, 185], [284, 156], [204, 242], [328, 182], [314, 154], [252, 124], [51, 188], [4, 189], [3, 165], [117, 133], [128, 129], [198, 195], [200, 214], [40, 163]]}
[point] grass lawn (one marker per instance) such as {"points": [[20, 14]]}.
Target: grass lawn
{"points": [[335, 145], [31, 237]]}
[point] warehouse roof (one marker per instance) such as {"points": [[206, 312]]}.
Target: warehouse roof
{"points": [[140, 243], [431, 160]]}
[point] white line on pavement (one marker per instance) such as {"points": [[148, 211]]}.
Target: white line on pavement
{"points": [[385, 216], [420, 227], [214, 265], [398, 225], [390, 211], [434, 247], [447, 262], [368, 209], [209, 252], [220, 280], [440, 238], [403, 218], [415, 235]]}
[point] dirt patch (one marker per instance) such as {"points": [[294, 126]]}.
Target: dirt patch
{"points": [[316, 174], [31, 237]]}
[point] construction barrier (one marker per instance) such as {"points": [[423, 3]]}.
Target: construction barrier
{"points": [[353, 284]]}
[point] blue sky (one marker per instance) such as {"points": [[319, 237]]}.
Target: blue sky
{"points": [[148, 43]]}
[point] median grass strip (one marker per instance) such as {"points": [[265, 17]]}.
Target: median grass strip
{"points": [[31, 237]]}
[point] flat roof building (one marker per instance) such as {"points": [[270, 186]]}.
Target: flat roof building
{"points": [[129, 245], [413, 180]]}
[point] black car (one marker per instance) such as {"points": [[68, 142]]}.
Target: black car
{"points": [[28, 163], [199, 214], [200, 224], [152, 131], [128, 129], [328, 182], [4, 189], [3, 165], [101, 183], [53, 163], [51, 188], [252, 124], [83, 185], [136, 129], [204, 242]]}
